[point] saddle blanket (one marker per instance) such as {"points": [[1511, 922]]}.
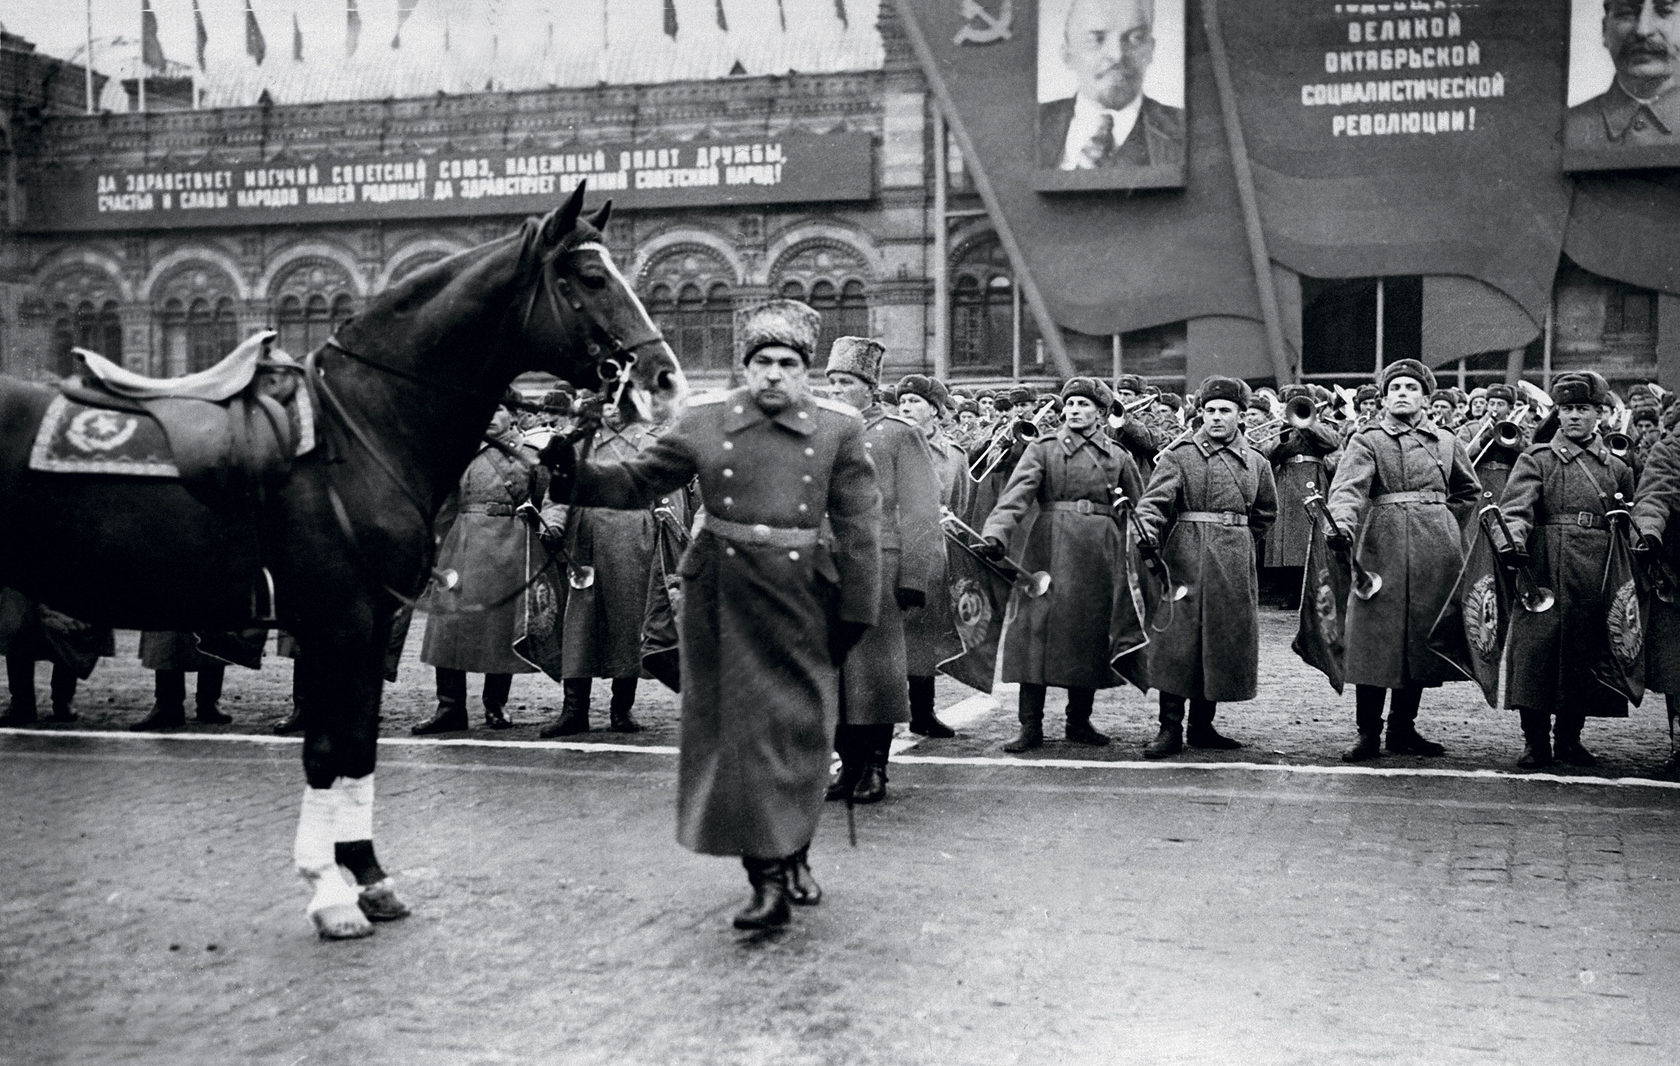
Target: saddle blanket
{"points": [[75, 438]]}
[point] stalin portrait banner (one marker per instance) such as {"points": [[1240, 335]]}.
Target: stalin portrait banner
{"points": [[1624, 85]]}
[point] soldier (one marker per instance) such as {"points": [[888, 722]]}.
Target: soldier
{"points": [[1068, 479], [1401, 474], [1127, 425], [1210, 496], [1302, 460], [1656, 515], [768, 613], [31, 632], [920, 400], [873, 693], [486, 545], [174, 656], [1492, 459], [1556, 504]]}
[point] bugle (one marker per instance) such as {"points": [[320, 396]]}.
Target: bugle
{"points": [[1033, 583], [1365, 582], [1506, 434], [1171, 590], [1535, 597]]}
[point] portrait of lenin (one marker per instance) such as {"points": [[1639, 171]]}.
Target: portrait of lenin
{"points": [[1109, 121]]}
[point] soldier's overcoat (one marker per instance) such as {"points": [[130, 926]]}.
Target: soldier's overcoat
{"points": [[759, 692], [1303, 461], [1413, 541], [486, 546], [1656, 511], [1067, 479], [1210, 646], [1555, 504]]}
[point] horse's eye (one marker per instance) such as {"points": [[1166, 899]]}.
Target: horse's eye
{"points": [[596, 282]]}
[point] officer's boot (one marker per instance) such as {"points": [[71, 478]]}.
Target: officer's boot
{"points": [[850, 746], [1403, 738], [1566, 741], [1537, 742], [1201, 733], [293, 722], [63, 693], [1368, 718], [496, 690], [209, 694], [574, 710], [20, 681], [1079, 728], [769, 906], [169, 710], [923, 722], [451, 716], [1170, 740], [623, 697], [1030, 710], [876, 741], [803, 890], [1671, 769]]}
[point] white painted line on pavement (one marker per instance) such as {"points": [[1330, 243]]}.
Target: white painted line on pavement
{"points": [[994, 761]]}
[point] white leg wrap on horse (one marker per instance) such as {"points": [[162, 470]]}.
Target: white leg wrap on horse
{"points": [[313, 849], [355, 810]]}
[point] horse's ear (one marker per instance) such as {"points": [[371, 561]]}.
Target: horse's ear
{"points": [[599, 218], [562, 221]]}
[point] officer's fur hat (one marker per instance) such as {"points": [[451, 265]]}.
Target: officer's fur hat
{"points": [[1408, 368], [1289, 392], [558, 401], [857, 356], [1580, 387], [969, 407], [1219, 387], [930, 389], [1092, 389], [785, 322]]}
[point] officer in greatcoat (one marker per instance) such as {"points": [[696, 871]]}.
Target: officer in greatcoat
{"points": [[1394, 498], [489, 549], [1656, 515], [873, 691], [1555, 504], [1211, 494], [768, 609], [1067, 479]]}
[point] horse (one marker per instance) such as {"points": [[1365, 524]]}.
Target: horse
{"points": [[402, 394]]}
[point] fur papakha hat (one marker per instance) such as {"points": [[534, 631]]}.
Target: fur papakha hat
{"points": [[857, 356], [785, 322]]}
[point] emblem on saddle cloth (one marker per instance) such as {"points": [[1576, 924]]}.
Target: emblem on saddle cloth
{"points": [[95, 432]]}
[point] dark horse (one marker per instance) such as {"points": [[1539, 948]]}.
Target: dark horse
{"points": [[402, 395]]}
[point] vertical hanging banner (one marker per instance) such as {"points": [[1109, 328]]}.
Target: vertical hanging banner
{"points": [[1408, 136]]}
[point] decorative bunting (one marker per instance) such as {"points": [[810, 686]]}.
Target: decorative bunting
{"points": [[406, 8], [352, 27], [723, 23], [203, 36], [151, 49]]}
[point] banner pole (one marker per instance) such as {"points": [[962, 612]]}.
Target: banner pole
{"points": [[1270, 314], [983, 185]]}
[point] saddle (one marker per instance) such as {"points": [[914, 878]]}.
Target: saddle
{"points": [[227, 433]]}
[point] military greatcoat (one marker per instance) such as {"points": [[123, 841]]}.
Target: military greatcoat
{"points": [[1656, 513], [1303, 461], [1555, 503], [1068, 480], [487, 547], [1205, 504], [759, 687], [1397, 488], [872, 682], [930, 630]]}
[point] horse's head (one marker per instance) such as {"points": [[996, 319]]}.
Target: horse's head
{"points": [[579, 294]]}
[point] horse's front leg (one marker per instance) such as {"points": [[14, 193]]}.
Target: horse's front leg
{"points": [[340, 680]]}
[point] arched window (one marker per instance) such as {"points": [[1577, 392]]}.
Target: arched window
{"points": [[690, 297], [983, 309], [194, 308], [305, 323], [211, 331], [825, 276], [174, 323]]}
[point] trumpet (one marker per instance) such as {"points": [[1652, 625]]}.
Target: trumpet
{"points": [[1299, 413], [1032, 584], [1506, 434], [1616, 435]]}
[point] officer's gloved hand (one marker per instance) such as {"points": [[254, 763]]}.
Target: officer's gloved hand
{"points": [[1148, 548], [994, 549], [1338, 541], [1646, 542], [908, 598], [561, 460], [843, 637], [1513, 557]]}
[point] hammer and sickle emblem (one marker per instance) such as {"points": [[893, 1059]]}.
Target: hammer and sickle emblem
{"points": [[1000, 28]]}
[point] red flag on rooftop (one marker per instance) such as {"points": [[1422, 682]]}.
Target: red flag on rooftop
{"points": [[151, 49], [671, 19], [202, 37], [352, 27], [406, 8], [255, 46], [297, 40], [840, 10], [723, 23]]}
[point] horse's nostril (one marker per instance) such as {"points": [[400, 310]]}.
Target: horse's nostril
{"points": [[665, 381]]}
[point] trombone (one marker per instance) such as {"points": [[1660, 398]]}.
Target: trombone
{"points": [[1004, 439], [1032, 584]]}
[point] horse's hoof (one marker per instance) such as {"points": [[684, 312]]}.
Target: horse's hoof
{"points": [[380, 903], [341, 921]]}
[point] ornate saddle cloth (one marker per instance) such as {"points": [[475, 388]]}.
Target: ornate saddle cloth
{"points": [[221, 450]]}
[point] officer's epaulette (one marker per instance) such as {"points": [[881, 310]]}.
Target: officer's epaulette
{"points": [[837, 407]]}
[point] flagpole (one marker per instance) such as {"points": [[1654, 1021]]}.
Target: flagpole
{"points": [[140, 66], [87, 58]]}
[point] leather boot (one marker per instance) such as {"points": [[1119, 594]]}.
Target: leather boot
{"points": [[923, 722], [1368, 715], [1537, 744], [1170, 740], [803, 890], [574, 710], [872, 784], [1030, 710], [19, 713], [63, 693], [769, 906], [1079, 729], [293, 722], [1566, 741], [20, 681], [162, 716], [209, 693], [852, 757], [496, 689], [623, 697], [1201, 733], [1403, 738], [451, 716]]}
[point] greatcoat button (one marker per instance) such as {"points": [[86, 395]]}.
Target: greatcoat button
{"points": [[728, 472], [728, 445], [794, 556]]}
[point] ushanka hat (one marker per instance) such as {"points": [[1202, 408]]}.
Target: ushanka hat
{"points": [[857, 356], [1219, 387], [1365, 392], [788, 323], [1091, 388], [1502, 391], [1408, 368], [1580, 387], [1129, 383], [930, 389]]}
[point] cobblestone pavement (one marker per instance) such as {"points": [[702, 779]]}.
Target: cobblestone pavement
{"points": [[993, 913]]}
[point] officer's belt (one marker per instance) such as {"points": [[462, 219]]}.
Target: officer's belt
{"points": [[500, 510], [1077, 507], [1584, 519], [1303, 459], [1489, 464], [759, 534], [1216, 518], [1422, 496]]}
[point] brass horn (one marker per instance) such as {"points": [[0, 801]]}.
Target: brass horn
{"points": [[1506, 434], [1619, 443], [1032, 583], [1366, 583]]}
